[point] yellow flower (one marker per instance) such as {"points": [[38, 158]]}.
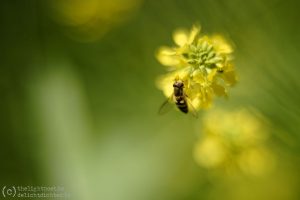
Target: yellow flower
{"points": [[173, 57], [89, 20], [202, 62], [234, 142], [210, 153]]}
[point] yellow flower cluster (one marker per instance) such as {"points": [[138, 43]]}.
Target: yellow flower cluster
{"points": [[233, 142], [89, 20], [202, 62]]}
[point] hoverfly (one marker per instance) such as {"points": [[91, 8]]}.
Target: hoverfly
{"points": [[180, 99]]}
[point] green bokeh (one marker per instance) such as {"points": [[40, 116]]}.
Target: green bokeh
{"points": [[83, 115]]}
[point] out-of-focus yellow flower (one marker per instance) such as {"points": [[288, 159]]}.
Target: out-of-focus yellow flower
{"points": [[202, 62], [211, 152], [234, 142], [88, 20]]}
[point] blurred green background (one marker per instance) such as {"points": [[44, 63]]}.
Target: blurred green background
{"points": [[79, 102]]}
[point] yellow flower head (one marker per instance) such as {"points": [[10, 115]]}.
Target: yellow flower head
{"points": [[234, 141], [202, 62]]}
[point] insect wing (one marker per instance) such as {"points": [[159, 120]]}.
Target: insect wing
{"points": [[166, 106], [191, 108]]}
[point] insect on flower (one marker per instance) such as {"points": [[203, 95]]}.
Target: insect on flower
{"points": [[204, 65], [180, 99]]}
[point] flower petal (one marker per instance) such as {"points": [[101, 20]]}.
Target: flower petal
{"points": [[230, 77], [193, 34], [180, 37], [206, 97], [211, 74], [165, 82], [167, 56], [219, 90], [198, 76], [167, 51], [221, 45]]}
